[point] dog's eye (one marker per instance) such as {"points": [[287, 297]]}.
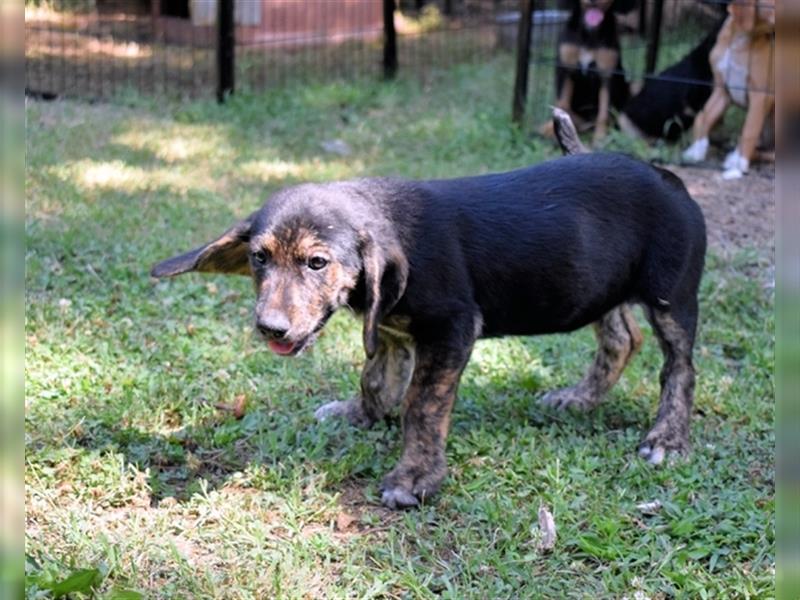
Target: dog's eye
{"points": [[317, 262], [260, 257]]}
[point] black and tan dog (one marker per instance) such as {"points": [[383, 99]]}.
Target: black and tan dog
{"points": [[435, 265], [590, 79]]}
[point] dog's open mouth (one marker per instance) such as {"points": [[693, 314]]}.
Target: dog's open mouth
{"points": [[593, 17], [282, 348]]}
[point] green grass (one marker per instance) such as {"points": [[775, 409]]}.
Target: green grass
{"points": [[133, 471]]}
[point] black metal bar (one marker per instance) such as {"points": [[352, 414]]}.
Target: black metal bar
{"points": [[655, 37], [389, 41], [226, 50], [643, 18], [523, 60]]}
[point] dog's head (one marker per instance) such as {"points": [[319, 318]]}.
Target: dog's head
{"points": [[753, 16], [308, 249], [593, 13]]}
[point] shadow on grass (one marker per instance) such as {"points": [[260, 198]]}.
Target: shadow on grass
{"points": [[272, 448]]}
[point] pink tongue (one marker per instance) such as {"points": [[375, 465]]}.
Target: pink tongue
{"points": [[593, 17], [280, 347]]}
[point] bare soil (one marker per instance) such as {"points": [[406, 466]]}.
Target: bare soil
{"points": [[740, 213]]}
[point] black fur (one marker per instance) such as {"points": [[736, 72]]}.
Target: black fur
{"points": [[667, 104], [434, 265]]}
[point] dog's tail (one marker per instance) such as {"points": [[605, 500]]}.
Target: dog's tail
{"points": [[566, 134]]}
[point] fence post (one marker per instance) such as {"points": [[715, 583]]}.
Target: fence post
{"points": [[655, 37], [226, 49], [389, 40], [523, 60]]}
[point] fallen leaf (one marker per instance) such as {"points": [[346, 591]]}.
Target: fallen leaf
{"points": [[547, 528], [649, 508], [344, 520]]}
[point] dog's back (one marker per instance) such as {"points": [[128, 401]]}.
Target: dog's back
{"points": [[522, 241]]}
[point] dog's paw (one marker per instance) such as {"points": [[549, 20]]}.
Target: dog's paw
{"points": [[398, 498], [409, 486], [575, 397], [664, 443], [344, 409], [697, 151]]}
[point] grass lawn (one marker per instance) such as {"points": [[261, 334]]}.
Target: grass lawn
{"points": [[134, 470]]}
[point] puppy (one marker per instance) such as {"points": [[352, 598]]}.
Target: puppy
{"points": [[667, 104], [743, 73], [433, 266], [589, 74]]}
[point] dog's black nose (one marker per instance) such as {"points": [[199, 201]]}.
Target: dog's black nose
{"points": [[273, 325]]}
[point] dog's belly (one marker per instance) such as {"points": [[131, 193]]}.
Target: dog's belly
{"points": [[528, 312]]}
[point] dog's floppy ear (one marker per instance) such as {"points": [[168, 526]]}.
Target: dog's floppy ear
{"points": [[226, 254], [385, 277]]}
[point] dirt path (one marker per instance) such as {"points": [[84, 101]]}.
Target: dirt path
{"points": [[739, 213]]}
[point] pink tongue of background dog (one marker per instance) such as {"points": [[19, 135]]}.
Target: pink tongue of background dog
{"points": [[593, 17], [280, 347]]}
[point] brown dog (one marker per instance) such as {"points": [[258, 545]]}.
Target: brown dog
{"points": [[743, 73]]}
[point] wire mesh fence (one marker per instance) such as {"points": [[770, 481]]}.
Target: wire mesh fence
{"points": [[99, 49], [102, 48]]}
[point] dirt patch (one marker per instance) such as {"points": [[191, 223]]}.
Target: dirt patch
{"points": [[740, 213]]}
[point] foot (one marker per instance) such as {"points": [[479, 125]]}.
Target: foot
{"points": [[409, 486], [347, 409], [697, 151], [664, 441], [735, 165], [578, 397]]}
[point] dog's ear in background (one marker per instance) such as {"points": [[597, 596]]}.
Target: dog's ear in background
{"points": [[226, 254], [385, 275]]}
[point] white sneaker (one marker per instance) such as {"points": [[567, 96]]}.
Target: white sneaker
{"points": [[732, 173], [697, 151], [735, 161]]}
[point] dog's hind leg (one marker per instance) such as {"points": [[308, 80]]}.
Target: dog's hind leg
{"points": [[670, 433], [618, 339], [384, 381]]}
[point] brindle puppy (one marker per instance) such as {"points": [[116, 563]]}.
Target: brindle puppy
{"points": [[435, 265]]}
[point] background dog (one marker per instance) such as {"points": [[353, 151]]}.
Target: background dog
{"points": [[667, 104], [590, 79], [432, 266], [742, 62]]}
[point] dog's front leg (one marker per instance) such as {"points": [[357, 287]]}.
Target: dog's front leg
{"points": [[607, 61], [568, 55], [384, 381], [426, 420]]}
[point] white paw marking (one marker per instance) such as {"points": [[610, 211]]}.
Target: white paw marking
{"points": [[337, 408], [398, 498]]}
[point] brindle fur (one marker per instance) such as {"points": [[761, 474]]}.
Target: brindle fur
{"points": [[435, 265], [618, 340], [384, 381]]}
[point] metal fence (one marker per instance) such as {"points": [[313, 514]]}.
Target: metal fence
{"points": [[98, 49], [102, 48]]}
